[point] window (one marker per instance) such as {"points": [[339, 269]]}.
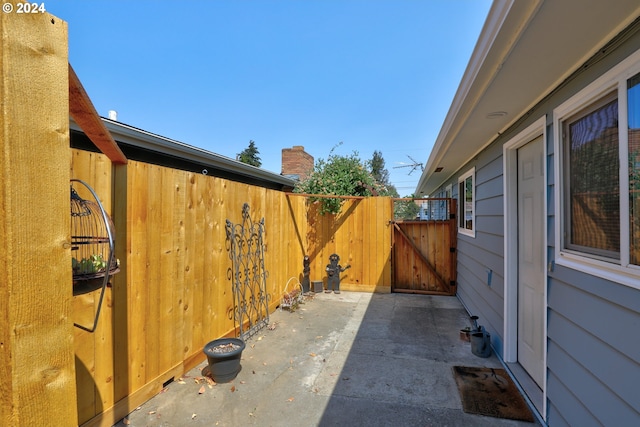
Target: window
{"points": [[598, 205], [592, 169], [633, 106], [466, 203]]}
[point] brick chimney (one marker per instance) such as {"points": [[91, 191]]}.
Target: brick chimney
{"points": [[296, 163]]}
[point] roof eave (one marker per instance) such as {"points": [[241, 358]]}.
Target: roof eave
{"points": [[149, 141], [496, 17], [491, 97]]}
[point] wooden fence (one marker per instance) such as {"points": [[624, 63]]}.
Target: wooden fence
{"points": [[174, 294], [36, 358], [424, 257], [360, 234]]}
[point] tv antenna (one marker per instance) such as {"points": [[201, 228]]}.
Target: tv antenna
{"points": [[414, 165]]}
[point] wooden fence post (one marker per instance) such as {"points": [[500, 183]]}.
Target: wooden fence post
{"points": [[37, 373]]}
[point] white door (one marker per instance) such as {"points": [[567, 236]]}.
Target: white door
{"points": [[531, 273]]}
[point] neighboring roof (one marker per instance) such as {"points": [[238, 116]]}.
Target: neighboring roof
{"points": [[138, 144], [525, 50]]}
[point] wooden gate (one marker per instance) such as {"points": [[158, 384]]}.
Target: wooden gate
{"points": [[424, 250]]}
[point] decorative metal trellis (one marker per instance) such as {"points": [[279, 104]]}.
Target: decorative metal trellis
{"points": [[249, 277]]}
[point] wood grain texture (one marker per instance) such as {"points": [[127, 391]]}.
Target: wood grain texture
{"points": [[174, 293], [85, 115], [423, 257], [93, 352], [36, 329]]}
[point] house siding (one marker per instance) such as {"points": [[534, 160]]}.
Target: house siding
{"points": [[485, 253], [590, 351], [593, 368], [593, 354]]}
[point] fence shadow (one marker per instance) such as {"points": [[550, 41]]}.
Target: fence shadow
{"points": [[397, 368]]}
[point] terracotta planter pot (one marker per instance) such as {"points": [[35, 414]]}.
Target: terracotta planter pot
{"points": [[465, 335], [224, 356]]}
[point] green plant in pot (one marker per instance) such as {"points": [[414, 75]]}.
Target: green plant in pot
{"points": [[223, 356], [89, 273]]}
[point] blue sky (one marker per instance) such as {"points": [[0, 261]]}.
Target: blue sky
{"points": [[374, 75]]}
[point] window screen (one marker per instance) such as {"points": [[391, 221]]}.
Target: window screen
{"points": [[633, 108], [593, 211]]}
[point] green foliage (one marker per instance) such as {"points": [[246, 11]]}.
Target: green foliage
{"points": [[381, 175], [406, 209], [377, 168], [634, 171], [250, 155], [340, 176], [93, 264]]}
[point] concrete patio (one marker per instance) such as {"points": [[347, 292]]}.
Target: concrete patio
{"points": [[353, 359]]}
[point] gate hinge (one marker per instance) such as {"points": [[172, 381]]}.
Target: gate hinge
{"points": [[452, 250]]}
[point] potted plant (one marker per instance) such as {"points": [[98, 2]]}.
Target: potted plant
{"points": [[224, 356], [465, 334], [88, 273]]}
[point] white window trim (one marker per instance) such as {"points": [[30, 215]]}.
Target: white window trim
{"points": [[614, 79], [470, 173]]}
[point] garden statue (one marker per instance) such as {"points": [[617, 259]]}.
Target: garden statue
{"points": [[333, 272], [306, 285]]}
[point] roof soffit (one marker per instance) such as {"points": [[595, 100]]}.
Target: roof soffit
{"points": [[533, 51]]}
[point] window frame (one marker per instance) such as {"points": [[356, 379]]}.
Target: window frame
{"points": [[612, 269], [566, 124], [471, 232]]}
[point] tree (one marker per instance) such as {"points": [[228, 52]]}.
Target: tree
{"points": [[250, 155], [340, 176], [406, 209], [381, 175], [377, 168]]}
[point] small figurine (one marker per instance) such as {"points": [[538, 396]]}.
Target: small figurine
{"points": [[306, 284], [333, 273]]}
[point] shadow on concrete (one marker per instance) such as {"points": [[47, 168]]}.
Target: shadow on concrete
{"points": [[397, 368], [353, 359]]}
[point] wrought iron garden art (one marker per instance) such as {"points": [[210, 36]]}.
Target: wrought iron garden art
{"points": [[248, 274]]}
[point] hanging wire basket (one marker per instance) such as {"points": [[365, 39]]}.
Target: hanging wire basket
{"points": [[92, 244]]}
